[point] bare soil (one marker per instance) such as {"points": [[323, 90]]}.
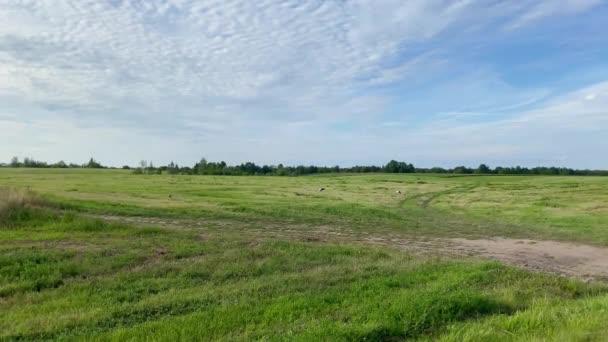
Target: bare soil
{"points": [[565, 258], [585, 262]]}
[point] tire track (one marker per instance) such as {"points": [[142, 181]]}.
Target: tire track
{"points": [[585, 262]]}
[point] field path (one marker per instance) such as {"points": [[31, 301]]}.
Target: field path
{"points": [[429, 197], [424, 199], [581, 261]]}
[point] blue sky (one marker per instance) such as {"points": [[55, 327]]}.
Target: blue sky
{"points": [[299, 81]]}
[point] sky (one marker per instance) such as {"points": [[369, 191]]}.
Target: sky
{"points": [[324, 82]]}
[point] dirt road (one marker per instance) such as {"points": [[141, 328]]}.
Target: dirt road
{"points": [[588, 263]]}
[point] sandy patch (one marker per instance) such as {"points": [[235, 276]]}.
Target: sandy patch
{"points": [[568, 259]]}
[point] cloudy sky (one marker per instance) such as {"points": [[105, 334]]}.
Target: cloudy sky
{"points": [[306, 81]]}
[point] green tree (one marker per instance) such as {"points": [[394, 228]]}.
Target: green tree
{"points": [[483, 169], [61, 164], [15, 162], [93, 164]]}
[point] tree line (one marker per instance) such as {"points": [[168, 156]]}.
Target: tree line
{"points": [[33, 163], [204, 167]]}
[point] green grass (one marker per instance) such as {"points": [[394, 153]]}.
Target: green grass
{"points": [[562, 208], [64, 276], [67, 277]]}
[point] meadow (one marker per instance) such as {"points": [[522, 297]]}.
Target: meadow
{"points": [[108, 255]]}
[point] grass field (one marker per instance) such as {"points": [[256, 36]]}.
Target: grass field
{"points": [[567, 208], [68, 275]]}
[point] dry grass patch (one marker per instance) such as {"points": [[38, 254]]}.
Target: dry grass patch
{"points": [[14, 199]]}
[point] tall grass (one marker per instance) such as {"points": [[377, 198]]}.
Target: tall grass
{"points": [[16, 202]]}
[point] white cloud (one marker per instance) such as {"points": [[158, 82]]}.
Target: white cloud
{"points": [[564, 131], [220, 76], [544, 9]]}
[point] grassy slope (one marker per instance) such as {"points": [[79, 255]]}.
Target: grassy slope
{"points": [[69, 277], [566, 208]]}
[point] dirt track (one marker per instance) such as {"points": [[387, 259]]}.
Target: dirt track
{"points": [[568, 259]]}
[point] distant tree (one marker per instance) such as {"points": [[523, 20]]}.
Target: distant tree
{"points": [[15, 162], [392, 167], [462, 170], [201, 166], [33, 163], [61, 164], [483, 169], [93, 164], [172, 168], [204, 167], [437, 170]]}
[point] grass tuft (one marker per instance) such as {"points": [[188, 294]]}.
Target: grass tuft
{"points": [[15, 204]]}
